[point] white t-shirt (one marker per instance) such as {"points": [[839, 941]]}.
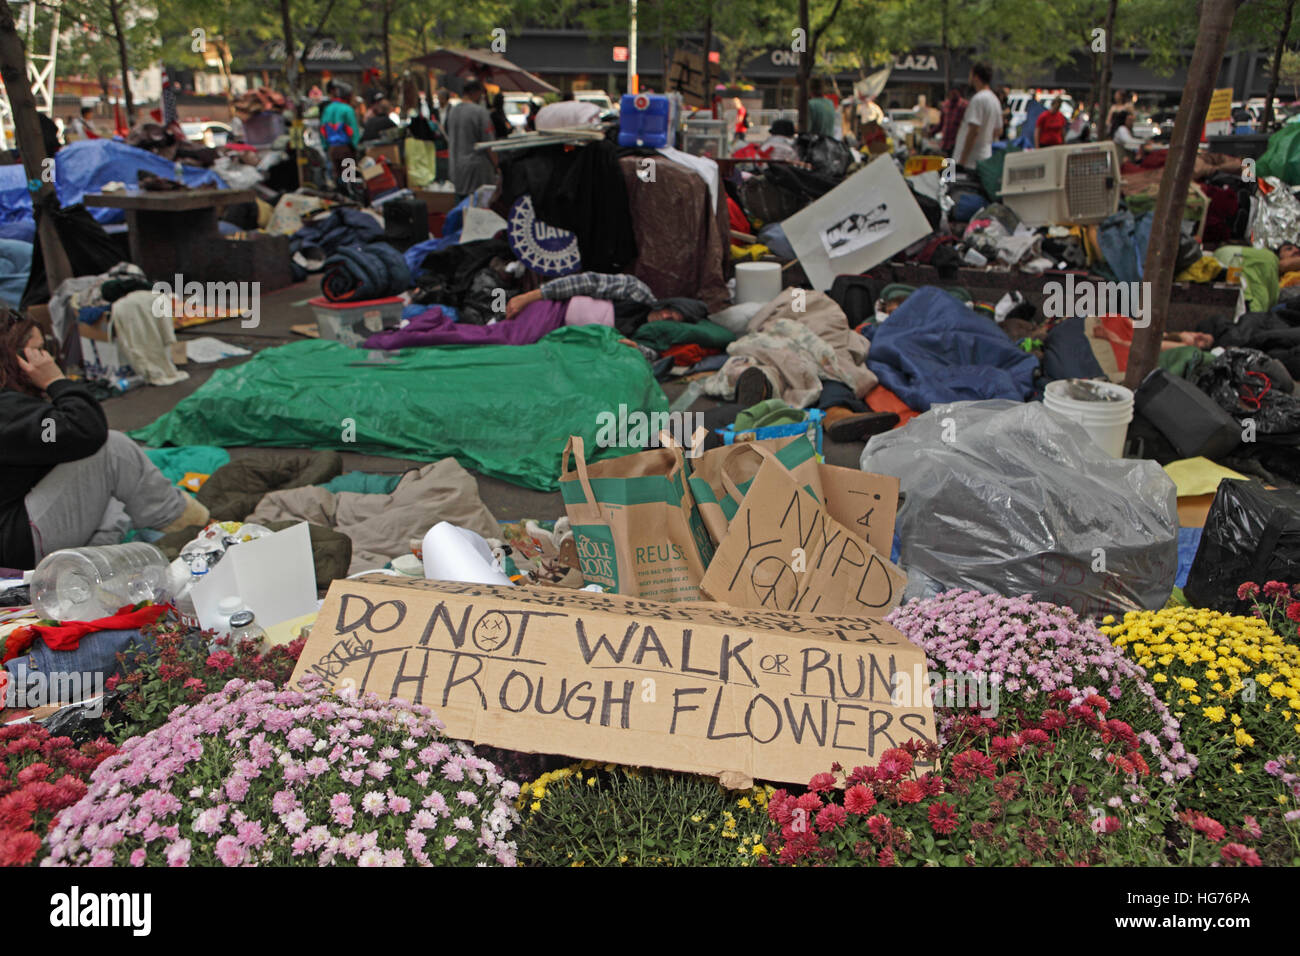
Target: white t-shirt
{"points": [[984, 111], [1126, 141]]}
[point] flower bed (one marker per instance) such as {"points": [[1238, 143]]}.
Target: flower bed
{"points": [[590, 814], [1031, 651], [255, 775], [40, 775]]}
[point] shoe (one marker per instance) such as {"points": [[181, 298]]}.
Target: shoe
{"points": [[195, 515], [843, 425], [752, 387]]}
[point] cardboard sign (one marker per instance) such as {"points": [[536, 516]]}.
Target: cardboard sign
{"points": [[687, 77], [863, 502], [857, 225], [784, 551], [700, 688]]}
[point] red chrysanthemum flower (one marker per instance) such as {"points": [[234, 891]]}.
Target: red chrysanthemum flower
{"points": [[943, 818], [910, 791], [1247, 589], [1276, 589], [1053, 720], [221, 661], [970, 764], [1213, 830], [831, 816], [1096, 700], [33, 772], [1293, 611], [879, 826], [859, 799], [1235, 854], [885, 857], [932, 784], [861, 775], [822, 782], [809, 802], [1004, 748], [19, 848], [900, 756]]}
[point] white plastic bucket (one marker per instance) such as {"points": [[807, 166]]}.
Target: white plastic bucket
{"points": [[1102, 408], [758, 281]]}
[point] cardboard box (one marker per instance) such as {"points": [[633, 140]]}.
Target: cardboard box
{"points": [[437, 200], [701, 688], [389, 151], [99, 333]]}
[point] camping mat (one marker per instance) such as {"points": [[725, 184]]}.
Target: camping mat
{"points": [[503, 410]]}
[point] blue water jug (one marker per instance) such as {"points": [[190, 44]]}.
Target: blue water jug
{"points": [[644, 120]]}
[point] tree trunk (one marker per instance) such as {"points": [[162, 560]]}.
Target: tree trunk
{"points": [[31, 145], [805, 68], [1277, 67], [1215, 20], [388, 66], [1107, 64], [115, 13], [947, 50], [708, 65], [290, 54]]}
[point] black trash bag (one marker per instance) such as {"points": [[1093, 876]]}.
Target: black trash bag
{"points": [[1251, 386], [1251, 534], [829, 157], [90, 250]]}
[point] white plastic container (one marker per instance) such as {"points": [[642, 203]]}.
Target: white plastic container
{"points": [[1102, 408], [458, 554], [758, 281], [86, 584]]}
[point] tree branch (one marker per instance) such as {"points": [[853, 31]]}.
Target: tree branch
{"points": [[817, 33]]}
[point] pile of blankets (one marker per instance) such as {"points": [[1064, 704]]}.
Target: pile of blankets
{"points": [[363, 272]]}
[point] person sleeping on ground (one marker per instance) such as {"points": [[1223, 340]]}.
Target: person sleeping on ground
{"points": [[66, 479], [621, 301]]}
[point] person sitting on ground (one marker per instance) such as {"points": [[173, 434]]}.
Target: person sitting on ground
{"points": [[378, 119], [64, 472], [621, 301], [1121, 132], [81, 127], [1049, 130]]}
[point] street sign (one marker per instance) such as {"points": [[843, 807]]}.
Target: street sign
{"points": [[620, 54]]}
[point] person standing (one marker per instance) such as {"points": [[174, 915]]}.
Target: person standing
{"points": [[982, 122], [468, 125], [1049, 130], [340, 128], [951, 112], [821, 111]]}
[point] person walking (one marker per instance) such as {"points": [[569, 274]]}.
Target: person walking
{"points": [[340, 130], [952, 112], [1049, 129]]}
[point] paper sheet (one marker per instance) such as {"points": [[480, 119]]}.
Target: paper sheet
{"points": [[480, 224], [275, 577], [208, 349]]}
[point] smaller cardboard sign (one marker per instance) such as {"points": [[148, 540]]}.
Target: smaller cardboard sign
{"points": [[275, 576], [1220, 107], [863, 502], [686, 76], [784, 551]]}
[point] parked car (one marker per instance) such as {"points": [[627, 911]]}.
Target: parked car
{"points": [[209, 133]]}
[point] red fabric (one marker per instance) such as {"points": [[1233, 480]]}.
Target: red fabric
{"points": [[67, 636], [881, 399], [736, 217], [1155, 159], [1051, 129], [688, 353]]}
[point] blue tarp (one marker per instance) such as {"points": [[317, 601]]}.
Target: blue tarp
{"points": [[15, 263], [934, 349], [84, 167]]}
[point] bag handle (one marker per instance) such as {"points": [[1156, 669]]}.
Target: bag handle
{"points": [[728, 482], [575, 445]]}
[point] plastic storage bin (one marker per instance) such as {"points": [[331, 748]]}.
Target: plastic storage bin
{"points": [[810, 426], [644, 119], [353, 322]]}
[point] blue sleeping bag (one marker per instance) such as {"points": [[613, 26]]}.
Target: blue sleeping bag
{"points": [[361, 273], [15, 263], [935, 349]]}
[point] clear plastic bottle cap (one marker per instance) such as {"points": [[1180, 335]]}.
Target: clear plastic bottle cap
{"points": [[229, 605], [241, 619]]}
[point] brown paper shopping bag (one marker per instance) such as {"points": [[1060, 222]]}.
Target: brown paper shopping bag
{"points": [[635, 523], [721, 476]]}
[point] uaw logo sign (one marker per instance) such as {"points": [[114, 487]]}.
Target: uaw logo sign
{"points": [[543, 248]]}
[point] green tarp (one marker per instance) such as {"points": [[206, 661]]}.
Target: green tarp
{"points": [[1282, 157], [505, 410], [175, 462]]}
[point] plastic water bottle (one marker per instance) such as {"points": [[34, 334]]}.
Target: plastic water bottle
{"points": [[243, 627], [85, 584]]}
